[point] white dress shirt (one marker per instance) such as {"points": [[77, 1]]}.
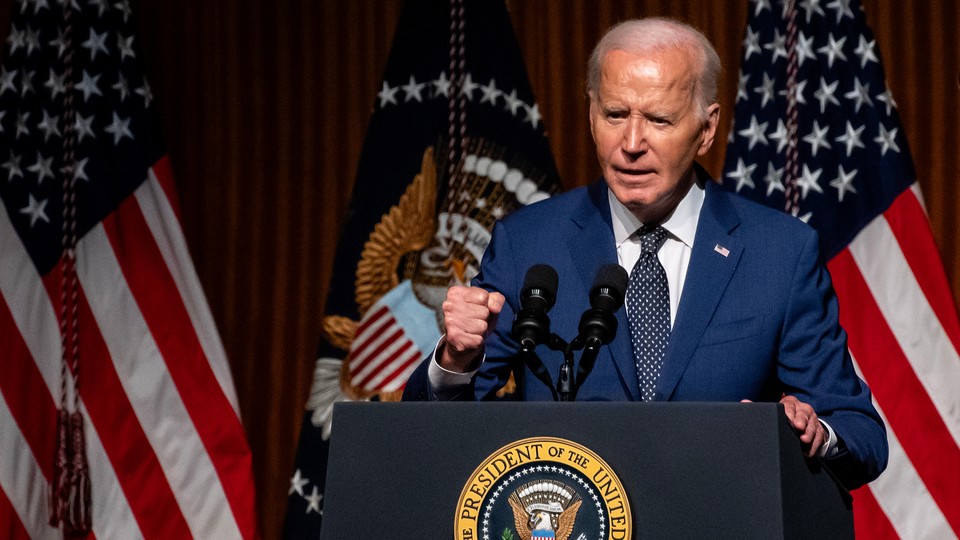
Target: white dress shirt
{"points": [[675, 252]]}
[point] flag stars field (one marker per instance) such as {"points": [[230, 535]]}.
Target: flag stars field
{"points": [[819, 136], [439, 89]]}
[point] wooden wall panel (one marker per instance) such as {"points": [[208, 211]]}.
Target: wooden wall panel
{"points": [[264, 107]]}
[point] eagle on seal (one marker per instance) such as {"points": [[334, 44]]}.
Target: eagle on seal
{"points": [[544, 509]]}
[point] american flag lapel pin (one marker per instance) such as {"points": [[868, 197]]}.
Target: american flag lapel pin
{"points": [[721, 250]]}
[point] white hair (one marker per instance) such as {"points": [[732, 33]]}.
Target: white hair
{"points": [[641, 36]]}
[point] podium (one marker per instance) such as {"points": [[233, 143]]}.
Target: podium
{"points": [[688, 470]]}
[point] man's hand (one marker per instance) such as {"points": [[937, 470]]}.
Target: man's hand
{"points": [[805, 422], [469, 315]]}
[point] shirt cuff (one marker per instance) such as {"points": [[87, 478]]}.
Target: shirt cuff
{"points": [[446, 382], [829, 448]]}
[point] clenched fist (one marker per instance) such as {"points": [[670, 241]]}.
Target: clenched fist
{"points": [[469, 314]]}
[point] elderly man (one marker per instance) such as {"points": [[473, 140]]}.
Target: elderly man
{"points": [[727, 301]]}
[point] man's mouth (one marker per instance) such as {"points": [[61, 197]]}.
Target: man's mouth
{"points": [[634, 172]]}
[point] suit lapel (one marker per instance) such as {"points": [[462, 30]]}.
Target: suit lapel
{"points": [[714, 259], [591, 245]]}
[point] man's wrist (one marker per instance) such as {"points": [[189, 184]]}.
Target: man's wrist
{"points": [[829, 446], [448, 361], [445, 382]]}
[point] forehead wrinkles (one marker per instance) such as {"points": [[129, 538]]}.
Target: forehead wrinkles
{"points": [[661, 74]]}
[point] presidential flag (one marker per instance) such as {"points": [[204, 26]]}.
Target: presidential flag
{"points": [[455, 142], [816, 132], [101, 312]]}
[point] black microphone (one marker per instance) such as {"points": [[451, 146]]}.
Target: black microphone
{"points": [[531, 326], [598, 324]]}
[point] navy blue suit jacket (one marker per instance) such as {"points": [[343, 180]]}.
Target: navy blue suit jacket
{"points": [[757, 319]]}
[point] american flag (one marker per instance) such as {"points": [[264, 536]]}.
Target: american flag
{"points": [[167, 454], [816, 132]]}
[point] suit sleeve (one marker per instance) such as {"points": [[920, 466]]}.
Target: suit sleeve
{"points": [[499, 272], [815, 366]]}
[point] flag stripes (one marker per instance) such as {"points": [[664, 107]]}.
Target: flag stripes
{"points": [[383, 356], [155, 475], [10, 524], [910, 414], [168, 323], [19, 382], [159, 209], [907, 220], [877, 332], [905, 308], [125, 432], [404, 362], [144, 359], [869, 521], [23, 480], [113, 517], [882, 501]]}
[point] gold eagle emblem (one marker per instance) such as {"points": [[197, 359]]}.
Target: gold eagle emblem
{"points": [[545, 506]]}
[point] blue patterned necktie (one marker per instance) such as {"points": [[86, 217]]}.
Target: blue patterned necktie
{"points": [[648, 310]]}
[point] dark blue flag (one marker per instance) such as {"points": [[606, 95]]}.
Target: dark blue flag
{"points": [[455, 142]]}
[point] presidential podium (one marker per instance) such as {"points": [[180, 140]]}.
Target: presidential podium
{"points": [[688, 470]]}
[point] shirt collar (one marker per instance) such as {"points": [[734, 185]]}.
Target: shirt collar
{"points": [[681, 224]]}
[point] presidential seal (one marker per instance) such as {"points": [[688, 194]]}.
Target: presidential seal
{"points": [[543, 488]]}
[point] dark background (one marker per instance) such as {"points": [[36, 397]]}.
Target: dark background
{"points": [[264, 106]]}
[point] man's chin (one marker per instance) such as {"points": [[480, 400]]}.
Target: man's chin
{"points": [[648, 208], [637, 198]]}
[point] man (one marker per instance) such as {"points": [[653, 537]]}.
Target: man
{"points": [[728, 301]]}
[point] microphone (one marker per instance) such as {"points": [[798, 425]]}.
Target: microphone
{"points": [[531, 326], [598, 324]]}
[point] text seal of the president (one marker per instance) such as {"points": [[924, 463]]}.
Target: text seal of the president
{"points": [[543, 488]]}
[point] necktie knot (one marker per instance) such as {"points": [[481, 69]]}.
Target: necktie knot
{"points": [[651, 238]]}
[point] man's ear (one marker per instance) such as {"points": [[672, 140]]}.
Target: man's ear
{"points": [[592, 96], [709, 128]]}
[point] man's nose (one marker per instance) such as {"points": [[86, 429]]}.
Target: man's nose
{"points": [[634, 136]]}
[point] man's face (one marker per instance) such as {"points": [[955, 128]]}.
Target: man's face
{"points": [[645, 125]]}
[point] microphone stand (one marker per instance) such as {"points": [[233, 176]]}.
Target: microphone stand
{"points": [[564, 390], [567, 384], [535, 365], [568, 381]]}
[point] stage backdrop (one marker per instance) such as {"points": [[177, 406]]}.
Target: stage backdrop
{"points": [[265, 105]]}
